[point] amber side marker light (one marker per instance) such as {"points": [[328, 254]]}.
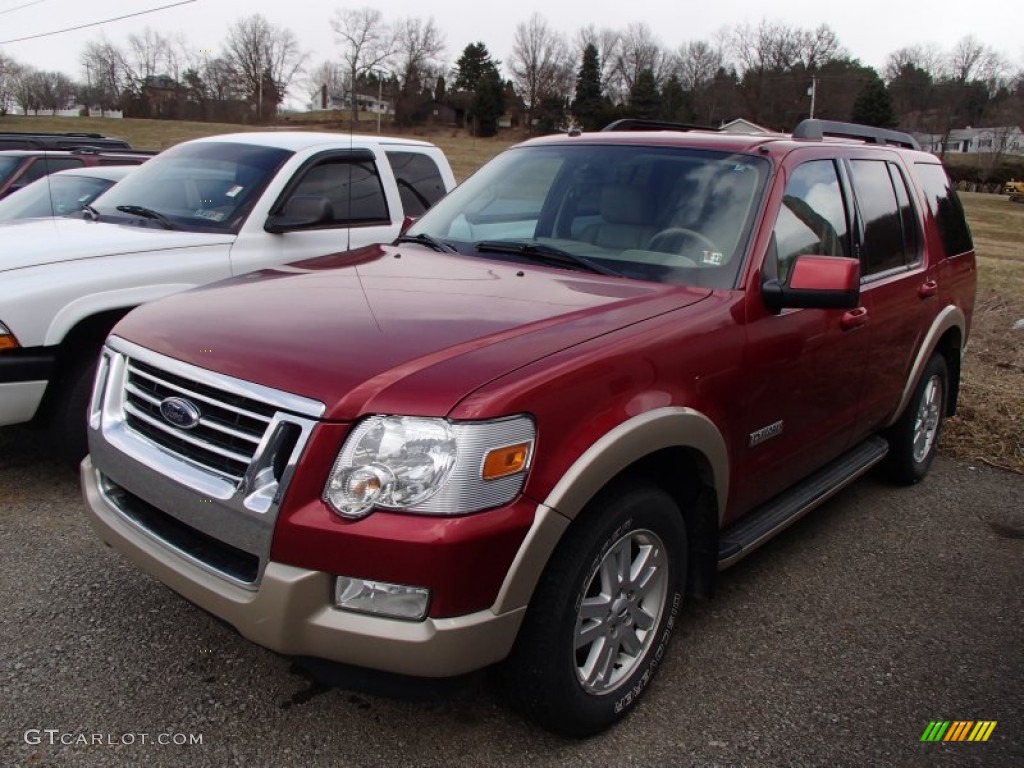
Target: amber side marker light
{"points": [[8, 341], [502, 462]]}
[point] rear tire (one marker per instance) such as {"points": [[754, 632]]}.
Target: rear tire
{"points": [[601, 618], [914, 439], [68, 415]]}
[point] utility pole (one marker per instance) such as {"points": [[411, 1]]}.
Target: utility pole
{"points": [[380, 95], [813, 93]]}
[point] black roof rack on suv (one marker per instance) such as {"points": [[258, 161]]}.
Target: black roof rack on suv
{"points": [[816, 130], [636, 124], [44, 140]]}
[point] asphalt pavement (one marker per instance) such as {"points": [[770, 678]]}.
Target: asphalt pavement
{"points": [[836, 644]]}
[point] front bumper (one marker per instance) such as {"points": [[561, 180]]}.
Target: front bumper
{"points": [[291, 611], [23, 378]]}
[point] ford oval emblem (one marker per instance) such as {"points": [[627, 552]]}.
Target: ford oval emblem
{"points": [[179, 412]]}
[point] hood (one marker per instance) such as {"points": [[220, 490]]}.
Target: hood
{"points": [[389, 330], [36, 242]]}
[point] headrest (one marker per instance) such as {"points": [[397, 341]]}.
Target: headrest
{"points": [[625, 205]]}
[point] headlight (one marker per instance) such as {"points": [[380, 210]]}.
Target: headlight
{"points": [[430, 466]]}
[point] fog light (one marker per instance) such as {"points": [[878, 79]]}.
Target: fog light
{"points": [[381, 598]]}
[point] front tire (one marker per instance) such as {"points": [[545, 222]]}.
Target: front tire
{"points": [[69, 412], [914, 439], [600, 621]]}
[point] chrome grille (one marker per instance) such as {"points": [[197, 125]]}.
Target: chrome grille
{"points": [[230, 427]]}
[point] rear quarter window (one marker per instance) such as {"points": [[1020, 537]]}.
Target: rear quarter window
{"points": [[419, 181], [945, 207]]}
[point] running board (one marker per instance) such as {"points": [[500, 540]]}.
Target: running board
{"points": [[754, 529]]}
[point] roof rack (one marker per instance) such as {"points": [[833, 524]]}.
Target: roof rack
{"points": [[816, 130], [636, 124], [85, 149], [61, 135]]}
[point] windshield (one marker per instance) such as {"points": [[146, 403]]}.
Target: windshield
{"points": [[8, 165], [204, 187], [653, 213], [53, 195]]}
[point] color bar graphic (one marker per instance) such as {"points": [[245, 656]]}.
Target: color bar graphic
{"points": [[958, 730]]}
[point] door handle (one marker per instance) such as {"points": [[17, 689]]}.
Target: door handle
{"points": [[855, 318], [927, 290]]}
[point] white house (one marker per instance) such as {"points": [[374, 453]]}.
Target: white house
{"points": [[1008, 139]]}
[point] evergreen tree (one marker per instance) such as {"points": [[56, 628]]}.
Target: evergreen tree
{"points": [[471, 66], [873, 105], [676, 104], [644, 100], [489, 103], [588, 106]]}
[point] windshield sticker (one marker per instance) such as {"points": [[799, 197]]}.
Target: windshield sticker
{"points": [[713, 258], [202, 213], [234, 190]]}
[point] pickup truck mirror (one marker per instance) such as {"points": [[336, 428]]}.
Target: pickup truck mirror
{"points": [[815, 282], [299, 212]]}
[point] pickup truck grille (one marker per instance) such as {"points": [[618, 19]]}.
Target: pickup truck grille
{"points": [[230, 426]]}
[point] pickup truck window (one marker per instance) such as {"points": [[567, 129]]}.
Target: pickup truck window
{"points": [[200, 187], [353, 188], [8, 165], [812, 218], [652, 213], [419, 181]]}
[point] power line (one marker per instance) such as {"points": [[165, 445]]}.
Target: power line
{"points": [[95, 23], [19, 7]]}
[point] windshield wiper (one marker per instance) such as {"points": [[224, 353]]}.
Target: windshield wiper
{"points": [[148, 213], [428, 240], [544, 253], [90, 213]]}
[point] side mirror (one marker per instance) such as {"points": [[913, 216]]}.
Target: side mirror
{"points": [[815, 282], [299, 212]]}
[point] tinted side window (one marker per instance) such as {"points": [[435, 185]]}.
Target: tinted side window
{"points": [[419, 181], [911, 238], [945, 207], [883, 246], [353, 189], [55, 164], [812, 218]]}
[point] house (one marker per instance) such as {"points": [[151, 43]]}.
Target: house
{"points": [[1008, 139], [739, 125], [365, 103]]}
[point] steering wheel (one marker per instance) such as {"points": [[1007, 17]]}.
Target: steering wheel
{"points": [[671, 241]]}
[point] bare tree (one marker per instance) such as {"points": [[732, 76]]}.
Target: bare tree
{"points": [[639, 50], [367, 43], [265, 58], [104, 67], [697, 63], [541, 65], [970, 60], [327, 73], [28, 89], [418, 47], [9, 70], [147, 55]]}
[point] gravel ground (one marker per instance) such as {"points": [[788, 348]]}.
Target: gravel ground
{"points": [[834, 645]]}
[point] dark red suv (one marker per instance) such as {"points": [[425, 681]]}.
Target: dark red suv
{"points": [[20, 167], [604, 368]]}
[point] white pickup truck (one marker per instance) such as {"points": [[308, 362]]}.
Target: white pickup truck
{"points": [[201, 211]]}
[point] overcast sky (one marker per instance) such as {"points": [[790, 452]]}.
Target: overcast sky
{"points": [[869, 29]]}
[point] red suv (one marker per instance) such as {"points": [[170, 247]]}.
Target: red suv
{"points": [[20, 167], [604, 368]]}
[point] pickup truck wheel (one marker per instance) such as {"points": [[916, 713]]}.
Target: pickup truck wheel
{"points": [[68, 412], [914, 439], [602, 616]]}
